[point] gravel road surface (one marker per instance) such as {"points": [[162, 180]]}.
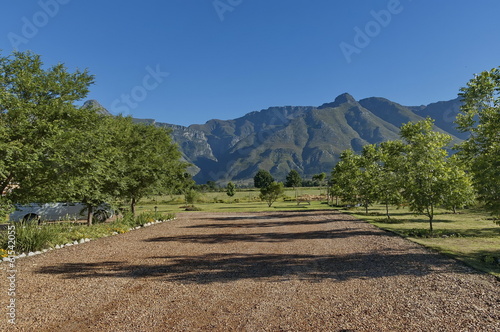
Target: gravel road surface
{"points": [[279, 271]]}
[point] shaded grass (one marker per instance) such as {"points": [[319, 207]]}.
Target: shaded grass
{"points": [[470, 235]]}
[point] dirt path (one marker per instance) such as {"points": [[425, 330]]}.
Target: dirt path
{"points": [[292, 271]]}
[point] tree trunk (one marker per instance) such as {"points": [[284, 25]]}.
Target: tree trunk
{"points": [[132, 206], [387, 210], [90, 214], [431, 216]]}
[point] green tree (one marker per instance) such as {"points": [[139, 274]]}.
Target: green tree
{"points": [[191, 195], [369, 176], [36, 105], [293, 179], [319, 178], [424, 169], [149, 161], [389, 186], [88, 161], [334, 190], [230, 189], [345, 175], [272, 192], [480, 116], [460, 186], [212, 185], [262, 179]]}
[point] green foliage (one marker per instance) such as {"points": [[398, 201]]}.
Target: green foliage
{"points": [[262, 179], [388, 158], [272, 192], [211, 185], [88, 160], [345, 177], [461, 192], [191, 196], [319, 179], [293, 179], [424, 169], [146, 217], [31, 237], [192, 208], [149, 161], [36, 107], [416, 170], [51, 150], [480, 116], [427, 233], [230, 189]]}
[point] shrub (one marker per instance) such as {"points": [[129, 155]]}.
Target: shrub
{"points": [[30, 238], [191, 195], [427, 233], [192, 208], [34, 237], [146, 217]]}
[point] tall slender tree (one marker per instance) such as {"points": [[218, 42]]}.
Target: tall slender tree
{"points": [[424, 168]]}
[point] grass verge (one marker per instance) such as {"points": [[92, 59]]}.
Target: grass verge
{"points": [[30, 238], [470, 236]]}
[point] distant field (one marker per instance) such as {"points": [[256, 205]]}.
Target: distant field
{"points": [[243, 200]]}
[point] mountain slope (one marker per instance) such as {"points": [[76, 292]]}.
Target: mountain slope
{"points": [[305, 138]]}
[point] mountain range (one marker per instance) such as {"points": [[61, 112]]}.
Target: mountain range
{"points": [[308, 139]]}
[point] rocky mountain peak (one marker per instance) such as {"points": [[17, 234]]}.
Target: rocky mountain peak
{"points": [[341, 99], [92, 103]]}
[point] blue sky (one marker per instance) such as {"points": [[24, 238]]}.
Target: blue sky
{"points": [[188, 61]]}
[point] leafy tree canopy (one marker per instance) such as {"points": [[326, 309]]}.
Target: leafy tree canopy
{"points": [[262, 179], [272, 192], [230, 189], [36, 105], [293, 179]]}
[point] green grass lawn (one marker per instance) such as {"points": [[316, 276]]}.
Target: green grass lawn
{"points": [[243, 200], [470, 235]]}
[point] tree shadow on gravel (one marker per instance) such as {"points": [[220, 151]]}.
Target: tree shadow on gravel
{"points": [[223, 238], [212, 268]]}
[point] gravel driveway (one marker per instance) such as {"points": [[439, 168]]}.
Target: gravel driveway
{"points": [[280, 271]]}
